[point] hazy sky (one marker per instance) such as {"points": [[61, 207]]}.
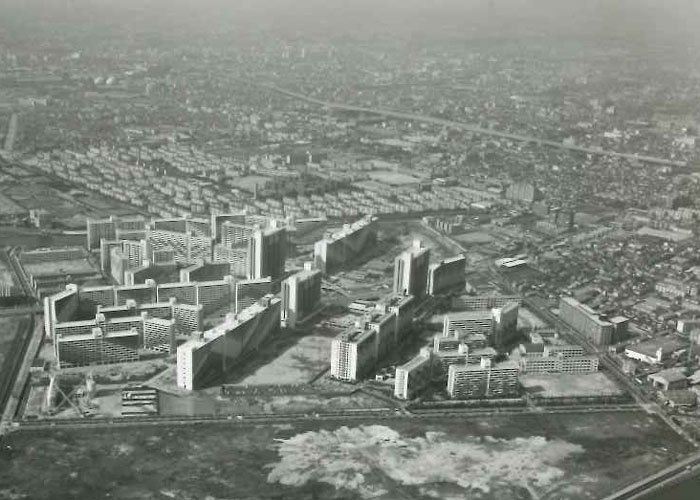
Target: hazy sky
{"points": [[646, 19]]}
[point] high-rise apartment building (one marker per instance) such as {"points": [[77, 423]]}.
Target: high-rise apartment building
{"points": [[235, 234], [267, 252], [506, 327], [413, 376], [447, 275], [342, 247], [206, 360], [411, 271], [301, 295], [112, 229], [353, 353], [469, 322], [103, 229]]}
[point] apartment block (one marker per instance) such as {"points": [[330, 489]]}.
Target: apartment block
{"points": [[301, 296], [447, 275], [338, 249], [413, 376], [586, 321], [483, 380]]}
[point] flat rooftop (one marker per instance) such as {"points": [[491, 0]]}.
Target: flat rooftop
{"points": [[506, 365], [355, 335], [350, 229], [469, 315], [415, 362], [234, 321], [649, 347], [451, 260], [593, 314]]}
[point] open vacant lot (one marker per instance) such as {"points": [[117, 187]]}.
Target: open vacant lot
{"points": [[564, 385], [75, 266], [524, 457], [393, 178], [9, 207], [206, 403], [10, 328], [298, 364], [534, 456], [35, 238]]}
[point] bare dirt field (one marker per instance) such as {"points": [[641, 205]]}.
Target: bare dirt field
{"points": [[34, 238], [9, 207], [296, 365], [75, 266], [569, 456], [255, 404], [565, 385], [10, 328]]}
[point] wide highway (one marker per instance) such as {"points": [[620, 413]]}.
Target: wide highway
{"points": [[467, 127]]}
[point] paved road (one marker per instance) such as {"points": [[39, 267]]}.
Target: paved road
{"points": [[469, 128]]}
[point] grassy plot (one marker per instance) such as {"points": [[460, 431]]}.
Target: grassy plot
{"points": [[10, 328], [534, 456]]}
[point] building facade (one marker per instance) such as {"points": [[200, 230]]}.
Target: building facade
{"points": [[586, 321], [301, 296], [411, 271], [483, 380], [447, 275]]}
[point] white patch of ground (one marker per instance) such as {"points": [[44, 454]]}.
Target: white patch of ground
{"points": [[123, 449], [370, 459]]}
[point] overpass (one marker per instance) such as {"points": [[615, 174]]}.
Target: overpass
{"points": [[467, 127]]}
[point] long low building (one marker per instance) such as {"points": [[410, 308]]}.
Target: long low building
{"points": [[207, 360], [655, 351], [559, 364], [483, 380], [586, 321], [480, 302]]}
